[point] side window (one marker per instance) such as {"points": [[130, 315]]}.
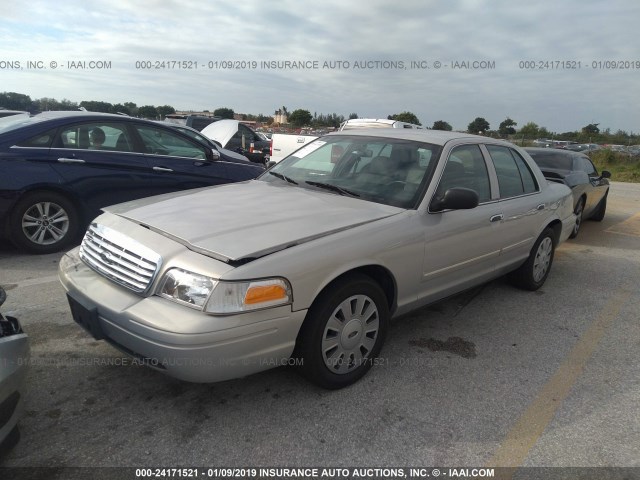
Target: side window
{"points": [[528, 178], [96, 136], [42, 140], [588, 167], [466, 168], [509, 179], [162, 142]]}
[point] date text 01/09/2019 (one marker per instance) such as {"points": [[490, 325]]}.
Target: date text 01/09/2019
{"points": [[579, 65]]}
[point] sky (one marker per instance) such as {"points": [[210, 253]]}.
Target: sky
{"points": [[562, 65]]}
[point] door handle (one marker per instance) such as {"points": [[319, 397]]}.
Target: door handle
{"points": [[496, 218], [162, 169], [540, 207], [71, 160]]}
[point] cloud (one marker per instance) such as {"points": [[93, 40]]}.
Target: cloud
{"points": [[214, 33]]}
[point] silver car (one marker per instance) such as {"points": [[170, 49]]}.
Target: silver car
{"points": [[308, 263], [14, 358]]}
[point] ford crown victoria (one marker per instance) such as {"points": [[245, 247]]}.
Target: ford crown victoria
{"points": [[354, 229]]}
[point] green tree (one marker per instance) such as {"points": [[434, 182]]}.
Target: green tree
{"points": [[353, 116], [224, 112], [165, 110], [543, 132], [405, 117], [441, 125], [506, 127], [529, 130], [96, 106], [478, 126], [132, 108], [148, 111], [299, 118], [591, 129], [15, 101], [66, 104]]}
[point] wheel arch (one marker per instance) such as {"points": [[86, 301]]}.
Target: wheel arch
{"points": [[556, 226], [378, 273]]}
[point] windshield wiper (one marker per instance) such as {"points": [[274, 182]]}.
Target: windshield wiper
{"points": [[333, 188], [283, 177]]}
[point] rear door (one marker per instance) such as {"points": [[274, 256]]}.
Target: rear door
{"points": [[101, 173], [521, 204], [178, 162]]}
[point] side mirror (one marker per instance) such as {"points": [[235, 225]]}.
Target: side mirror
{"points": [[457, 198], [215, 154], [605, 174]]}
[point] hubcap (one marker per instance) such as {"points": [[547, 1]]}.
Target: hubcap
{"points": [[350, 334], [45, 223], [543, 259]]}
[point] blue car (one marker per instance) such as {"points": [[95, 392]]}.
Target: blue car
{"points": [[58, 169]]}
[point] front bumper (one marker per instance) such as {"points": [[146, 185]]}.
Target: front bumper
{"points": [[182, 342]]}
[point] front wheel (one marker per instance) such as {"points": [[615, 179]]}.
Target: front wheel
{"points": [[343, 332], [532, 274], [43, 222]]}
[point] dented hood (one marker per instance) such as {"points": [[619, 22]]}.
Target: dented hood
{"points": [[242, 221]]}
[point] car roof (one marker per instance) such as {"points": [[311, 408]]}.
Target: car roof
{"points": [[437, 137]]}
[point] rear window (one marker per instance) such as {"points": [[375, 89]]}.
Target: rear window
{"points": [[552, 160]]}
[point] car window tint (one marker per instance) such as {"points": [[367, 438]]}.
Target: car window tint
{"points": [[528, 178], [509, 179], [96, 136], [159, 141], [466, 168], [561, 161], [42, 140]]}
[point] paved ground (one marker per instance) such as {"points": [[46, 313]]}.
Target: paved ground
{"points": [[493, 377]]}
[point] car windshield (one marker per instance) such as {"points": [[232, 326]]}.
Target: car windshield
{"points": [[384, 170]]}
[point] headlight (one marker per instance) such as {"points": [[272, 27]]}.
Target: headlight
{"points": [[186, 287], [220, 297], [235, 297]]}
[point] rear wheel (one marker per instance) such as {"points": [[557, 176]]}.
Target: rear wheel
{"points": [[343, 332], [532, 274], [43, 222], [579, 213]]}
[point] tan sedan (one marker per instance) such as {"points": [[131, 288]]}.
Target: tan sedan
{"points": [[308, 263]]}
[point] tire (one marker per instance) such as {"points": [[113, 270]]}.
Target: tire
{"points": [[43, 222], [532, 274], [10, 441], [601, 209], [579, 211], [343, 332]]}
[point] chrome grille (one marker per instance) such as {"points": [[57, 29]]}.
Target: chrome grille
{"points": [[119, 258]]}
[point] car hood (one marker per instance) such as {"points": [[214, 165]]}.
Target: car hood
{"points": [[221, 131], [239, 222]]}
